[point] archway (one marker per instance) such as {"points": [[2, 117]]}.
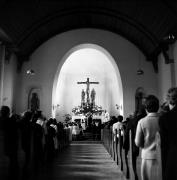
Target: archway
{"points": [[82, 62]]}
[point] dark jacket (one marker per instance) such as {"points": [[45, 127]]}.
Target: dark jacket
{"points": [[168, 132]]}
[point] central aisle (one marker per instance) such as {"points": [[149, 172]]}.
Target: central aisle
{"points": [[82, 161]]}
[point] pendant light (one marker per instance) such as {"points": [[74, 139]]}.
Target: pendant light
{"points": [[139, 70], [30, 71]]}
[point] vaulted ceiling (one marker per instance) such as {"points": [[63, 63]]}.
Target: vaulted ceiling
{"points": [[24, 25]]}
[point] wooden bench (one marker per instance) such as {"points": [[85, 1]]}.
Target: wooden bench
{"points": [[128, 161]]}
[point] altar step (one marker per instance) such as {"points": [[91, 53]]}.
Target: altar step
{"points": [[86, 142], [88, 136]]}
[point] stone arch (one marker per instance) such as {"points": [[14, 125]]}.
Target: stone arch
{"points": [[82, 46]]}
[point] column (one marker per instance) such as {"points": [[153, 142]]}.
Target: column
{"points": [[2, 54]]}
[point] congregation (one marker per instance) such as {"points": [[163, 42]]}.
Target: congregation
{"points": [[38, 138], [41, 139], [152, 127]]}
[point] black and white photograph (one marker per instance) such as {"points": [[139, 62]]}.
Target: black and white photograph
{"points": [[88, 90]]}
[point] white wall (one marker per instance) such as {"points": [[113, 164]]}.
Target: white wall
{"points": [[9, 81], [174, 53], [167, 75], [164, 78], [47, 59]]}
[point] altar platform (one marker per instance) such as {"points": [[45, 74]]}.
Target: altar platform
{"points": [[83, 118], [79, 117]]}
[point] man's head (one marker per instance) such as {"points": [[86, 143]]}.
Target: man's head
{"points": [[151, 104], [5, 111], [172, 96], [120, 118]]}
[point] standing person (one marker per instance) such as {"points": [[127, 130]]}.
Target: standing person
{"points": [[70, 131], [117, 125], [94, 130], [168, 133], [146, 139], [75, 131], [106, 116], [131, 127], [26, 135], [38, 135], [51, 138], [10, 133]]}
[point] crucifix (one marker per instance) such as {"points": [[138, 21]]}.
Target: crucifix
{"points": [[88, 87]]}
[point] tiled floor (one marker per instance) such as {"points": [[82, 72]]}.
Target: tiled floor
{"points": [[81, 161]]}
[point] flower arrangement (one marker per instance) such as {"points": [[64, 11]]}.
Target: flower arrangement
{"points": [[77, 110], [87, 109], [67, 117]]}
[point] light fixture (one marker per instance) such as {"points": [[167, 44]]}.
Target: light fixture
{"points": [[30, 72], [170, 38], [139, 72]]}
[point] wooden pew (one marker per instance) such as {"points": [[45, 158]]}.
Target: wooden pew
{"points": [[134, 161], [128, 160], [116, 147], [123, 155]]}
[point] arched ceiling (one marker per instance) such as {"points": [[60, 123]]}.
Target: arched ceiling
{"points": [[24, 25]]}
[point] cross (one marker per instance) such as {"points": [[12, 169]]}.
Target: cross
{"points": [[88, 84]]}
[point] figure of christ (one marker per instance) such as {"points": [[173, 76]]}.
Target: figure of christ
{"points": [[88, 88], [82, 98]]}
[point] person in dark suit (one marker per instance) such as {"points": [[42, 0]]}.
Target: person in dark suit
{"points": [[131, 126], [168, 133], [10, 137], [38, 137], [26, 134]]}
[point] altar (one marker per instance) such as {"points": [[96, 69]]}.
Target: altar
{"points": [[97, 117], [75, 118], [88, 113], [87, 122], [82, 118]]}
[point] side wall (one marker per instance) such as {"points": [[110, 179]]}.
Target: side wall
{"points": [[167, 75], [9, 79]]}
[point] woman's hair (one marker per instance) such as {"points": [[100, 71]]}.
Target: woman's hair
{"points": [[151, 103]]}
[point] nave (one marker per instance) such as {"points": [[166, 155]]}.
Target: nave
{"points": [[81, 161]]}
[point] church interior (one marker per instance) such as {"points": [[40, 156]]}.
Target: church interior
{"points": [[81, 63]]}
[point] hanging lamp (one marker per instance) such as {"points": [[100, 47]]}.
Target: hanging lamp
{"points": [[139, 71]]}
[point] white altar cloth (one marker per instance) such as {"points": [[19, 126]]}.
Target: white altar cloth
{"points": [[78, 117]]}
